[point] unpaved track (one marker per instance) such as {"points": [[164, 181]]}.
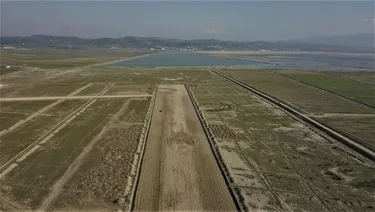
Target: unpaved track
{"points": [[57, 187], [179, 171], [342, 115], [44, 98], [30, 69], [39, 112]]}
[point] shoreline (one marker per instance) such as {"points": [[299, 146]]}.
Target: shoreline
{"points": [[271, 53], [124, 59]]}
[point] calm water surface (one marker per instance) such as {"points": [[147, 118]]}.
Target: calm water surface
{"points": [[184, 58], [300, 61]]}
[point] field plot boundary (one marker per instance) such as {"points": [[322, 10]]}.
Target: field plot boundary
{"points": [[179, 170], [212, 143], [47, 136], [346, 140], [37, 113], [73, 167], [328, 91], [78, 68], [110, 63], [141, 148], [31, 69], [20, 99]]}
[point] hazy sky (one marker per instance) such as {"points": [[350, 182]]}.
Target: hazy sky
{"points": [[271, 20]]}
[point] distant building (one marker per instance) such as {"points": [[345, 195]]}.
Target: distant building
{"points": [[9, 47], [152, 49]]}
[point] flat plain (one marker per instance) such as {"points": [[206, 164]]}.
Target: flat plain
{"points": [[151, 151], [327, 97], [179, 171]]}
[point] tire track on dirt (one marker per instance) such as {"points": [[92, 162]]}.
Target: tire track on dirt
{"points": [[46, 108], [346, 139], [179, 171], [20, 99], [18, 73], [213, 144], [57, 187], [291, 164], [141, 150], [47, 136]]}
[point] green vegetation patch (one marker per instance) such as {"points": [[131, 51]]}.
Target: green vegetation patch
{"points": [[309, 99], [360, 91], [23, 106], [361, 76], [9, 119], [49, 89], [4, 69], [17, 140], [136, 111], [300, 165], [93, 90], [64, 58], [54, 157], [362, 127]]}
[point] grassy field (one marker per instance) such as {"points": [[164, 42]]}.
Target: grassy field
{"points": [[12, 112], [44, 89], [49, 162], [361, 127], [59, 152], [5, 70], [266, 152], [274, 161], [360, 76], [360, 91], [311, 100], [63, 59], [15, 141]]}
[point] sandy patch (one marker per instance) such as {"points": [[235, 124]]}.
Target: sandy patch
{"points": [[171, 79], [239, 171], [179, 171], [31, 151]]}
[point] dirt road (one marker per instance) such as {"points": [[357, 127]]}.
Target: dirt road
{"points": [[44, 98], [179, 171], [57, 187]]}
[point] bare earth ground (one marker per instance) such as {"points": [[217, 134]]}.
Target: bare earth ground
{"points": [[273, 162], [179, 171], [37, 98], [277, 163], [56, 190]]}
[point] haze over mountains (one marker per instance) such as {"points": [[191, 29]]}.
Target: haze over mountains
{"points": [[347, 43], [356, 40]]}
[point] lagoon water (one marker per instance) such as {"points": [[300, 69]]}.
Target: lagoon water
{"points": [[317, 62], [183, 58], [296, 61]]}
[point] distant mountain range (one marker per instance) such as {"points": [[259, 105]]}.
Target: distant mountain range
{"points": [[47, 41], [356, 40]]}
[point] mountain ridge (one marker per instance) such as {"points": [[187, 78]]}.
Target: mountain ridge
{"points": [[349, 40], [50, 41]]}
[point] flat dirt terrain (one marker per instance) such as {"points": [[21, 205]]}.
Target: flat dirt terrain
{"points": [[120, 139], [179, 171]]}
